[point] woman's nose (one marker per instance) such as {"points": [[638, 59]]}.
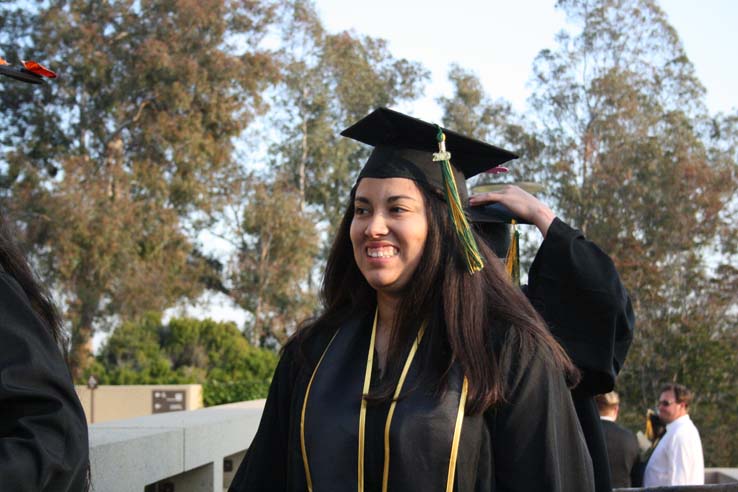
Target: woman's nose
{"points": [[377, 226]]}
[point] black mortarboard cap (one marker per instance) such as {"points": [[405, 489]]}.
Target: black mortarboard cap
{"points": [[404, 148]]}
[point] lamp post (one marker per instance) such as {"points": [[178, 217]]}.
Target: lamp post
{"points": [[92, 384]]}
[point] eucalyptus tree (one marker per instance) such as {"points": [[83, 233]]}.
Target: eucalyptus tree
{"points": [[111, 165], [283, 215], [331, 80]]}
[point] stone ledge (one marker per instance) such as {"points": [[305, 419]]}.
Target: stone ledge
{"points": [[126, 455]]}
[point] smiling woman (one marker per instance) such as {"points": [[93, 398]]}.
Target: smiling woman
{"points": [[428, 369], [388, 232]]}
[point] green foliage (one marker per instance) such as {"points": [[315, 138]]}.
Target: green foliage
{"points": [[217, 392], [109, 167], [276, 252], [186, 350]]}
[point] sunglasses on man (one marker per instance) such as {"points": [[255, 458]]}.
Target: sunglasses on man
{"points": [[666, 403]]}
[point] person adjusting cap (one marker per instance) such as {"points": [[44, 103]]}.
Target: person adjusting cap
{"points": [[497, 213], [407, 147]]}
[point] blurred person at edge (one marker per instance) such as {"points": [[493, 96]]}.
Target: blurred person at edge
{"points": [[43, 431], [677, 459], [623, 452]]}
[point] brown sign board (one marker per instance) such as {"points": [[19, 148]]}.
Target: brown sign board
{"points": [[168, 401]]}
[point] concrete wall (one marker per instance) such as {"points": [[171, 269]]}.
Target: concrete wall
{"points": [[115, 402], [180, 451]]}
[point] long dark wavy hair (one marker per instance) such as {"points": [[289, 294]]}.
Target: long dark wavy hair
{"points": [[480, 321], [13, 262]]}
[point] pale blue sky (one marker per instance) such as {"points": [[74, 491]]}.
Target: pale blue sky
{"points": [[499, 39]]}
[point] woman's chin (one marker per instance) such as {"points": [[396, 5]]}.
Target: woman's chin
{"points": [[388, 287]]}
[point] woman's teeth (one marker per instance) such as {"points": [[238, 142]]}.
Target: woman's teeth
{"points": [[386, 252]]}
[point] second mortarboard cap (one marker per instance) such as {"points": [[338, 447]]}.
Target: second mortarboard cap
{"points": [[405, 147], [493, 220]]}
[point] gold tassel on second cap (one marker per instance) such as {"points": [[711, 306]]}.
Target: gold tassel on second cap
{"points": [[512, 262]]}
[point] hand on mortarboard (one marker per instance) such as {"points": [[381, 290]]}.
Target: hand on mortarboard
{"points": [[521, 203]]}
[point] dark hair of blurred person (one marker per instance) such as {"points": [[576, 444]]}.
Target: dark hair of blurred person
{"points": [[14, 263]]}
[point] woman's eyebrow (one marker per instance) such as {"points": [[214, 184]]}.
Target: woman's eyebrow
{"points": [[394, 198]]}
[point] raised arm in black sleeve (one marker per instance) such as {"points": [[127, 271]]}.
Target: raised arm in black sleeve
{"points": [[574, 285]]}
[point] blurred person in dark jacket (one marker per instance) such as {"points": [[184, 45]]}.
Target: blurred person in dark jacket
{"points": [[43, 431], [622, 446]]}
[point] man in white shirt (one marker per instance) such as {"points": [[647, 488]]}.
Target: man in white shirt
{"points": [[677, 459]]}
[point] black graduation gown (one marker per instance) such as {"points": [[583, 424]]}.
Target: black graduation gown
{"points": [[43, 432], [532, 442], [573, 284]]}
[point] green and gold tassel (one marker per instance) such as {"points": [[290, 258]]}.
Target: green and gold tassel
{"points": [[472, 257], [512, 262]]}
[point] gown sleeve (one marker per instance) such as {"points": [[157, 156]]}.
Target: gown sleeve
{"points": [[43, 430], [265, 466], [537, 443], [574, 285]]}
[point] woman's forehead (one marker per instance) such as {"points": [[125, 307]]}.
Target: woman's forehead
{"points": [[384, 188]]}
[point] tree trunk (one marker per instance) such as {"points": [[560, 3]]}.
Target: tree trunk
{"points": [[304, 155], [256, 329], [80, 355]]}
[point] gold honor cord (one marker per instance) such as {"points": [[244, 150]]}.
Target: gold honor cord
{"points": [[388, 423], [365, 391], [308, 478], [457, 437], [403, 375]]}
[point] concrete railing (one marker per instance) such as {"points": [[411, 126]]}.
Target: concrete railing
{"points": [[200, 450], [716, 479], [184, 451]]}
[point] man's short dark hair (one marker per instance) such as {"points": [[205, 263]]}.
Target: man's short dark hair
{"points": [[681, 393]]}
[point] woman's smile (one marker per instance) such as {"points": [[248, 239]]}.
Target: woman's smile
{"points": [[382, 251]]}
